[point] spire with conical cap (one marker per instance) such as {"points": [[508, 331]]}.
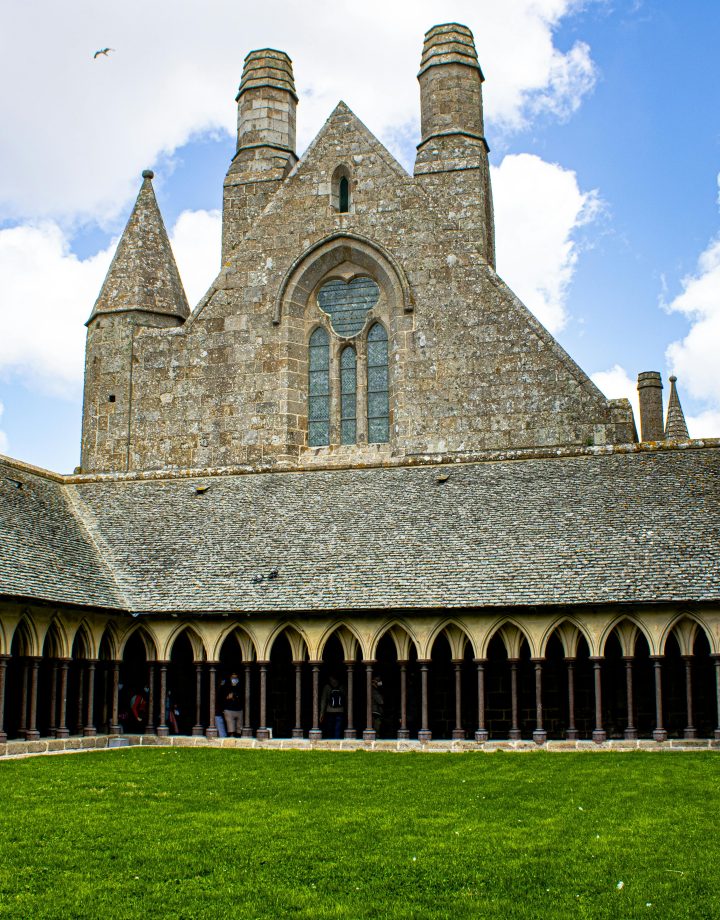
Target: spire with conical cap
{"points": [[675, 425], [143, 275]]}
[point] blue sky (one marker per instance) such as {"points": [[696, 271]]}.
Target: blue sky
{"points": [[603, 120]]}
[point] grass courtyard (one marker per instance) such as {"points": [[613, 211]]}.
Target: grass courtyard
{"points": [[258, 834]]}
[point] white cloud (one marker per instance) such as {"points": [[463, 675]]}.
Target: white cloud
{"points": [[538, 206], [704, 424], [195, 240], [47, 293], [616, 383], [3, 436], [177, 64]]}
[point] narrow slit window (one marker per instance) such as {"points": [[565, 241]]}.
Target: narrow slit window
{"points": [[344, 195], [319, 389], [348, 396], [377, 391]]}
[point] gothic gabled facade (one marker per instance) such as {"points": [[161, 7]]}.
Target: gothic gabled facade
{"points": [[359, 455]]}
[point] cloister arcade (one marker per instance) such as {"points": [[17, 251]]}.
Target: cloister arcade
{"points": [[473, 676]]}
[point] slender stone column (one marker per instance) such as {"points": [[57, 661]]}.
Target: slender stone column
{"points": [[197, 728], [247, 730], [599, 734], [150, 726], [315, 731], [716, 659], [481, 732], [263, 732], [89, 731], [539, 734], [53, 697], [350, 726], [163, 730], [211, 731], [32, 733], [403, 731], [515, 733], [572, 734], [297, 732], [3, 674], [631, 731], [24, 697], [458, 733], [659, 733], [80, 663], [690, 730], [115, 728], [62, 731], [424, 734], [369, 733]]}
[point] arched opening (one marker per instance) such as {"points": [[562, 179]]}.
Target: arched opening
{"points": [[340, 190], [343, 195], [643, 687], [704, 687], [181, 714], [134, 694], [335, 694], [673, 686], [555, 696], [497, 690], [281, 690], [243, 696], [18, 683]]}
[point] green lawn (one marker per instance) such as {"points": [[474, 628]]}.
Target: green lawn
{"points": [[222, 833]]}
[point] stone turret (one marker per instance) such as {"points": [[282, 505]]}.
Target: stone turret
{"points": [[142, 288], [452, 159], [675, 424], [651, 408], [267, 105]]}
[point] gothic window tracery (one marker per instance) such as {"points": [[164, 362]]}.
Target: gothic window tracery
{"points": [[319, 389], [377, 388], [348, 396]]}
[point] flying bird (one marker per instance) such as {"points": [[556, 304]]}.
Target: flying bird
{"points": [[104, 51]]}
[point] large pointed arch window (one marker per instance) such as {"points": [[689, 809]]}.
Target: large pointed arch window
{"points": [[319, 389], [377, 389]]}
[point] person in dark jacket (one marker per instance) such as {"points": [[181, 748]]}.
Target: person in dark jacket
{"points": [[232, 707]]}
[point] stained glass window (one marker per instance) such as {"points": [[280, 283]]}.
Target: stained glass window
{"points": [[319, 389], [344, 195], [377, 390], [348, 396], [347, 303]]}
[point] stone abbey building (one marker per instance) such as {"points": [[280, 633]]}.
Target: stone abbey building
{"points": [[360, 456]]}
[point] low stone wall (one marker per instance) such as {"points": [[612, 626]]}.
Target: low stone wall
{"points": [[11, 749]]}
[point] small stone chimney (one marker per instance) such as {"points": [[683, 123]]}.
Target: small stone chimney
{"points": [[651, 406]]}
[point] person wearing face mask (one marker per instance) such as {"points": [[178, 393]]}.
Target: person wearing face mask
{"points": [[232, 707]]}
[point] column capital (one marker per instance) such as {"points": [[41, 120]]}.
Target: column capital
{"points": [[480, 660], [570, 659], [369, 661], [315, 662], [424, 661], [657, 659], [538, 660], [299, 661], [598, 658]]}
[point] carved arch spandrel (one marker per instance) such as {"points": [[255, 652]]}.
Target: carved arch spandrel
{"points": [[686, 627], [348, 637]]}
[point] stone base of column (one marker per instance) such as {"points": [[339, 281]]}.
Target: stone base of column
{"points": [[690, 733], [315, 734], [297, 733], [369, 735], [403, 734], [599, 735], [481, 734], [114, 730], [150, 730], [246, 733], [163, 731], [3, 737], [515, 734], [458, 734], [198, 731], [32, 736], [572, 734], [89, 731], [424, 735], [211, 732], [659, 734], [62, 732], [263, 734], [539, 736], [350, 734], [716, 734], [630, 734]]}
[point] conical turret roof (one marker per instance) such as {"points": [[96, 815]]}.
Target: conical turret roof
{"points": [[143, 274], [675, 425]]}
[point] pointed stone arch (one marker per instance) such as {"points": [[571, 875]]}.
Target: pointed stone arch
{"points": [[402, 635], [348, 637], [196, 640], [83, 645], [686, 627], [628, 627], [246, 641], [569, 631], [512, 635], [146, 636], [457, 634], [56, 642], [296, 637], [26, 635], [111, 637]]}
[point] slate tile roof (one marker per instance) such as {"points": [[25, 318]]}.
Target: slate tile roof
{"points": [[640, 527], [45, 551]]}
